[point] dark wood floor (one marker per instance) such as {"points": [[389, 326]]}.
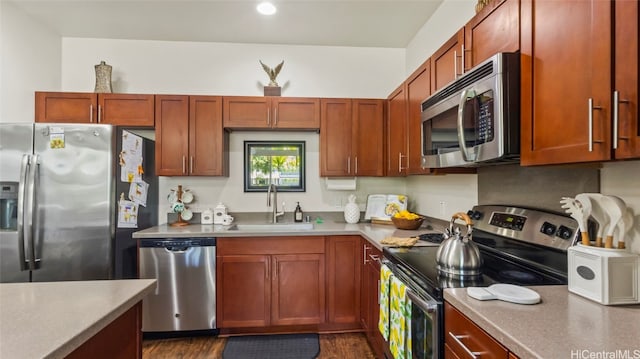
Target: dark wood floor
{"points": [[332, 346]]}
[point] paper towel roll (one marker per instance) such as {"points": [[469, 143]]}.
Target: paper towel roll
{"points": [[341, 184]]}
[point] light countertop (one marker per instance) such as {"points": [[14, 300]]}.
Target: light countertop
{"points": [[51, 319], [563, 325], [374, 233]]}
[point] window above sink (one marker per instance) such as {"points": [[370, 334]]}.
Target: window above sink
{"points": [[281, 163]]}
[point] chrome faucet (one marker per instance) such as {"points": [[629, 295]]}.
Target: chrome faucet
{"points": [[276, 214]]}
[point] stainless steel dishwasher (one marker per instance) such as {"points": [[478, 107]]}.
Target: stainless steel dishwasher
{"points": [[185, 295]]}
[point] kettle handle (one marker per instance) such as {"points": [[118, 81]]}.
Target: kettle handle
{"points": [[463, 216], [467, 220]]}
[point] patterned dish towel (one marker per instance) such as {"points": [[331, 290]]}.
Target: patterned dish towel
{"points": [[383, 322], [400, 319]]}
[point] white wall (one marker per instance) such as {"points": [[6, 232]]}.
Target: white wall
{"points": [[232, 69], [30, 58], [450, 17]]}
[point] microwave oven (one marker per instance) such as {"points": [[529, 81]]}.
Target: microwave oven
{"points": [[475, 119]]}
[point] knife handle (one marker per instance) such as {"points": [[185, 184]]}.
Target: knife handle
{"points": [[585, 239], [608, 243]]}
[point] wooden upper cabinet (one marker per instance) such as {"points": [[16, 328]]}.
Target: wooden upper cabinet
{"points": [[108, 108], [295, 113], [446, 62], [126, 109], [335, 137], [190, 139], [66, 107], [494, 29], [247, 112], [351, 137], [566, 65], [626, 80], [172, 135], [397, 145], [368, 137], [208, 142], [418, 88]]}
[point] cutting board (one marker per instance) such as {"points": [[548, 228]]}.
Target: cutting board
{"points": [[381, 207]]}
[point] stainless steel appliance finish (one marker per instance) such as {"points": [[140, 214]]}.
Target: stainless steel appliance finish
{"points": [[458, 256], [65, 207], [517, 245], [185, 296], [475, 119]]}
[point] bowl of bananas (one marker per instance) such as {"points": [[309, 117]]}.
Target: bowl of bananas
{"points": [[407, 220]]}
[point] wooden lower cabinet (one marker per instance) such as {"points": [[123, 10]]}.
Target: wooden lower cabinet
{"points": [[121, 339], [298, 287], [343, 280], [370, 308], [470, 338], [270, 281]]}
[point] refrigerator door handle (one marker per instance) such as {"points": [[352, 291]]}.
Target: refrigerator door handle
{"points": [[30, 215], [24, 170]]}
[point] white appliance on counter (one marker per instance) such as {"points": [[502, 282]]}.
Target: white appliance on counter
{"points": [[604, 275]]}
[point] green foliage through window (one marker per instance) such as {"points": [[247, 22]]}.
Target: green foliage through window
{"points": [[274, 162]]}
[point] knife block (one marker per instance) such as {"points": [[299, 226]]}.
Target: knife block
{"points": [[606, 276]]}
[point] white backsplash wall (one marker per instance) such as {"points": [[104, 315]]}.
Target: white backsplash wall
{"points": [[209, 191], [440, 196], [232, 69]]}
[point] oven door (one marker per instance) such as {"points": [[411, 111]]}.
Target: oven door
{"points": [[425, 322]]}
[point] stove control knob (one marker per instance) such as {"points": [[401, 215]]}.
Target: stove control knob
{"points": [[476, 215], [548, 228], [564, 232]]}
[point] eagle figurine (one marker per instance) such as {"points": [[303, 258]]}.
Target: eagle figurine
{"points": [[273, 73]]}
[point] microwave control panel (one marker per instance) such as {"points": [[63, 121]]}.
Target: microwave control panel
{"points": [[484, 118]]}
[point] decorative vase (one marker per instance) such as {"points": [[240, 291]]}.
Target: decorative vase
{"points": [[103, 78], [351, 211]]}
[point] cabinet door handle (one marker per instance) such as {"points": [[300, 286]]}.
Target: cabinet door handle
{"points": [[455, 64], [457, 338], [99, 113], [91, 113], [590, 122], [364, 254], [184, 164], [275, 117], [356, 171], [268, 116], [190, 164], [463, 58], [400, 168], [616, 118], [349, 164]]}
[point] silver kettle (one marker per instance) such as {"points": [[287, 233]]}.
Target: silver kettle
{"points": [[458, 256]]}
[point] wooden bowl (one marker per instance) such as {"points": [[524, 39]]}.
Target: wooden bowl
{"points": [[403, 223]]}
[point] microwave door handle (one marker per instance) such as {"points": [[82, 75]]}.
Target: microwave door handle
{"points": [[466, 94]]}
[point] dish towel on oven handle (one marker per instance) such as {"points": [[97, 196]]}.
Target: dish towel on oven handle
{"points": [[383, 322], [400, 320]]}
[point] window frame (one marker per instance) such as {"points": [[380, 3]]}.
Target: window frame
{"points": [[248, 187]]}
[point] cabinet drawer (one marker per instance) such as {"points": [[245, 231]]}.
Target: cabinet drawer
{"points": [[469, 335], [270, 245]]}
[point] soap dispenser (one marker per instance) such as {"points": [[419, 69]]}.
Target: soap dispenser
{"points": [[297, 213]]}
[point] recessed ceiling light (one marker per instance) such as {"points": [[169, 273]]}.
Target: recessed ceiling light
{"points": [[266, 8]]}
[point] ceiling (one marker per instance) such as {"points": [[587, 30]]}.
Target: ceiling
{"points": [[359, 23]]}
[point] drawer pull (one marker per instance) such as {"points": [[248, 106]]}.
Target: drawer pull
{"points": [[457, 338]]}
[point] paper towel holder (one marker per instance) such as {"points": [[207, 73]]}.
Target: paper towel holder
{"points": [[340, 183]]}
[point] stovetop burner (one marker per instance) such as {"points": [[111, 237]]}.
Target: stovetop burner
{"points": [[431, 237]]}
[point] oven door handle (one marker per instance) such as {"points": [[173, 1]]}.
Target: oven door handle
{"points": [[466, 94], [423, 304]]}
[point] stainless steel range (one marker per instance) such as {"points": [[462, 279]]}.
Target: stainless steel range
{"points": [[517, 246]]}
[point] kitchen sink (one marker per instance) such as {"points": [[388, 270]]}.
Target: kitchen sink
{"points": [[272, 227]]}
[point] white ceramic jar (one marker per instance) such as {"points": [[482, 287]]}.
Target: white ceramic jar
{"points": [[352, 211]]}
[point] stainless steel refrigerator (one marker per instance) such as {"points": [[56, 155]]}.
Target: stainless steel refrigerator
{"points": [[58, 202]]}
